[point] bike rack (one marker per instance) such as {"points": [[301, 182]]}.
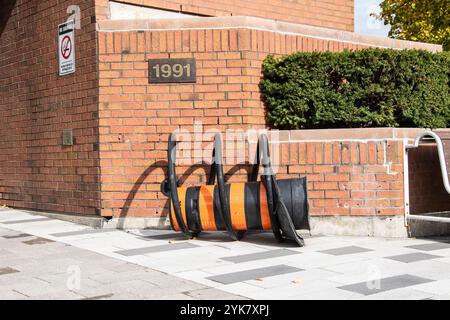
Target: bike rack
{"points": [[281, 218]]}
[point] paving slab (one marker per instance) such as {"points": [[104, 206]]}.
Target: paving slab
{"points": [[59, 271], [413, 257], [373, 286], [430, 246], [260, 255], [253, 274], [55, 258], [165, 247], [345, 250]]}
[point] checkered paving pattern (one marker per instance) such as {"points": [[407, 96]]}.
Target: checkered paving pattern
{"points": [[257, 267]]}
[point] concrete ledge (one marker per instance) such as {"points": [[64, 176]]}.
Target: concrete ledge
{"points": [[244, 22], [91, 221], [387, 227], [418, 228], [352, 134], [343, 134], [157, 223]]}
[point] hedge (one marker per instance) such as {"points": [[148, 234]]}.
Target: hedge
{"points": [[366, 88]]}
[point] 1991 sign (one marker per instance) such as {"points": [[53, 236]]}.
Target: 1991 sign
{"points": [[171, 70]]}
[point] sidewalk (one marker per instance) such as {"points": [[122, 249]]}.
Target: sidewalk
{"points": [[44, 258], [33, 267]]}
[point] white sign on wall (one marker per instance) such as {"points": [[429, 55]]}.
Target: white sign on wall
{"points": [[66, 47]]}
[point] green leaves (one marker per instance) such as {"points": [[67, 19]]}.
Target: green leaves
{"points": [[366, 88], [418, 20]]}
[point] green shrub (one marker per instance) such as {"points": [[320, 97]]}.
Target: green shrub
{"points": [[366, 88]]}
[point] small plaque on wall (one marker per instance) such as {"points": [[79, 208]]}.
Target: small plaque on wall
{"points": [[67, 137], [171, 70]]}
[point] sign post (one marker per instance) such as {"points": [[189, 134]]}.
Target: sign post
{"points": [[66, 47]]}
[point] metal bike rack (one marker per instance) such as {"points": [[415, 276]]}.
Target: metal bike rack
{"points": [[283, 218]]}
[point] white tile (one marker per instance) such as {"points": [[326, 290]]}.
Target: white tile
{"points": [[293, 289], [366, 270], [192, 274], [309, 260], [326, 294], [295, 278], [239, 288], [398, 294], [441, 287]]}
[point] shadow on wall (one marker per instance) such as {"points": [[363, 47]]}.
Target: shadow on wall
{"points": [[162, 164], [426, 189], [6, 8]]}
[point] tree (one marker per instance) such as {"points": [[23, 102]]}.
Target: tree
{"points": [[418, 20]]}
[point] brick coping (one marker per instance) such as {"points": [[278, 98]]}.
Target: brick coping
{"points": [[349, 134], [244, 22], [341, 134]]}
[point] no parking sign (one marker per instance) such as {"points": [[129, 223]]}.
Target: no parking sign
{"points": [[66, 48]]}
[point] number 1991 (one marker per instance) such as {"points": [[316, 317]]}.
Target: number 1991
{"points": [[176, 70]]}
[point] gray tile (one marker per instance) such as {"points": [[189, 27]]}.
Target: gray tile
{"points": [[25, 220], [385, 284], [20, 235], [253, 274], [165, 236], [7, 270], [413, 257], [345, 250], [260, 255], [430, 246], [164, 247], [37, 240], [206, 294], [81, 232]]}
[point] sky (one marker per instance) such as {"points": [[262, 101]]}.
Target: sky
{"points": [[364, 23]]}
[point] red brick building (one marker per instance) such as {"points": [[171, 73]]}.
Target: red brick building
{"points": [[120, 122]]}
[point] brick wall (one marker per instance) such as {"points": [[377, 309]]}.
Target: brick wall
{"points": [[349, 178], [136, 118], [36, 104], [363, 178], [121, 122], [333, 14], [426, 189]]}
